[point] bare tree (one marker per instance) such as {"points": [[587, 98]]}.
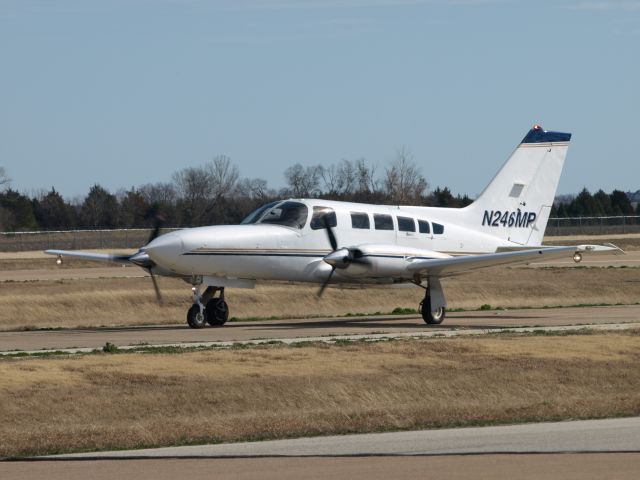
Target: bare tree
{"points": [[253, 189], [347, 177], [158, 193], [223, 176], [303, 182], [352, 180], [5, 181], [330, 179], [201, 188], [404, 183]]}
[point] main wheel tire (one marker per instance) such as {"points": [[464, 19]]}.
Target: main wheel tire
{"points": [[431, 317], [195, 318], [217, 312]]}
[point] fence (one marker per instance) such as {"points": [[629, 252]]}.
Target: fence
{"points": [[135, 238], [74, 239], [593, 225]]}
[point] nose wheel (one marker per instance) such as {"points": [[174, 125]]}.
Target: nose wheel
{"points": [[208, 308]]}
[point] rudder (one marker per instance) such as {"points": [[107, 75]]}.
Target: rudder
{"points": [[516, 204]]}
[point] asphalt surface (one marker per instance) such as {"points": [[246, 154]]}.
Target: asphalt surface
{"points": [[608, 435], [302, 328], [593, 449], [589, 466]]}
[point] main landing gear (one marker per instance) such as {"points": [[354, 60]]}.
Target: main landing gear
{"points": [[208, 308], [433, 306]]}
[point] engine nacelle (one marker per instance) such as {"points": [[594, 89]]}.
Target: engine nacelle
{"points": [[386, 260]]}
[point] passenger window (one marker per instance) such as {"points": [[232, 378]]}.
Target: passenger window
{"points": [[438, 229], [360, 220], [318, 218], [383, 222], [424, 226], [406, 224]]}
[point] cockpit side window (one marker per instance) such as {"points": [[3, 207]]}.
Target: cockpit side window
{"points": [[288, 214], [424, 226], [438, 229], [254, 216], [319, 215]]}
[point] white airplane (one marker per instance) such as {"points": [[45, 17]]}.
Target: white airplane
{"points": [[329, 242]]}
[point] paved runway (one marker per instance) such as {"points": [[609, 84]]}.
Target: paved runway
{"points": [[584, 466], [566, 450], [242, 331], [608, 435]]}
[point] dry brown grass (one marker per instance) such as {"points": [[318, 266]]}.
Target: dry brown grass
{"points": [[131, 400], [130, 301]]}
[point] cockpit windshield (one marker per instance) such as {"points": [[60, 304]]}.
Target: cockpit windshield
{"points": [[288, 214], [254, 216]]}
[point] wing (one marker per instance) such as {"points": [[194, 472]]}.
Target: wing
{"points": [[445, 267], [96, 257]]}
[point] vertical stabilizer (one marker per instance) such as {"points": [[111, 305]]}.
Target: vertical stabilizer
{"points": [[516, 205]]}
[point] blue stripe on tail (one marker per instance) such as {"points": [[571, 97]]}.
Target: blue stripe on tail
{"points": [[538, 135]]}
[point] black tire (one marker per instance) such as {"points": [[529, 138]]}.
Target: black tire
{"points": [[217, 312], [430, 317], [195, 319]]}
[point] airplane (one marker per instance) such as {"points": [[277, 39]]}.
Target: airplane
{"points": [[330, 242]]}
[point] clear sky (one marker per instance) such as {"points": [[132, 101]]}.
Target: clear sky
{"points": [[126, 92]]}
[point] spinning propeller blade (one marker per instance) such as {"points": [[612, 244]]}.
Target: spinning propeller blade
{"points": [[334, 247], [332, 237], [326, 282], [160, 219], [156, 287], [338, 257]]}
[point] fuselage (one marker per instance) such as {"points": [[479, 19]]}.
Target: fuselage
{"points": [[287, 240]]}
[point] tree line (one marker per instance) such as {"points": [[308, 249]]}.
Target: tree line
{"points": [[598, 204], [215, 193]]}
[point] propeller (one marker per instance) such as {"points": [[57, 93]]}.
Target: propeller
{"points": [[339, 257], [160, 219], [141, 258]]}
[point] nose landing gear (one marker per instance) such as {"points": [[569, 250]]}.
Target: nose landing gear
{"points": [[208, 308]]}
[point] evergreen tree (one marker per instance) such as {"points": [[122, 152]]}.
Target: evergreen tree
{"points": [[53, 213], [620, 203], [134, 211], [16, 212], [583, 205], [99, 209], [602, 204]]}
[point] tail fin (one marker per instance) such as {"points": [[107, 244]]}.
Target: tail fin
{"points": [[515, 206]]}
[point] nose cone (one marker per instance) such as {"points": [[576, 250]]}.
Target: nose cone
{"points": [[165, 249], [341, 258]]}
